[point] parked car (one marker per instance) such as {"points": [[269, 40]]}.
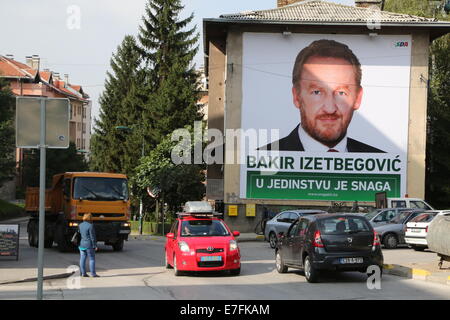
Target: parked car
{"points": [[281, 223], [417, 229], [393, 233], [383, 216], [412, 203], [200, 241], [335, 242]]}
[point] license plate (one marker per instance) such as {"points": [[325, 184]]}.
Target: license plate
{"points": [[416, 230], [351, 260], [124, 231], [211, 258]]}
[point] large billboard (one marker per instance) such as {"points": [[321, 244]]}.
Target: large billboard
{"points": [[324, 117]]}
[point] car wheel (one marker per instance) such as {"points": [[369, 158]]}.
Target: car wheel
{"points": [[273, 240], [311, 274], [418, 248], [390, 241], [166, 261], [281, 267], [175, 268], [235, 272]]}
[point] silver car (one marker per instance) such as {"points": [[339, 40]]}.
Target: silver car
{"points": [[281, 223], [393, 233], [383, 216]]}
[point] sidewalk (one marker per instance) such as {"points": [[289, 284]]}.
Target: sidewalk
{"points": [[425, 271]]}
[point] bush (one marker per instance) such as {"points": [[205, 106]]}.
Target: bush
{"points": [[10, 211]]}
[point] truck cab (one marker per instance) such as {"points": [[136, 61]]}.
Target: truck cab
{"points": [[104, 195]]}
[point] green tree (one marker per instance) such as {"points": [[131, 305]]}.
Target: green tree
{"points": [[168, 51], [57, 161], [7, 156], [438, 135], [176, 183], [112, 150]]}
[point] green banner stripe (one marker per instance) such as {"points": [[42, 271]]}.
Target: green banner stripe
{"points": [[320, 186]]}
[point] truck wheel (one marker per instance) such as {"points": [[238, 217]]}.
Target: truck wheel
{"points": [[63, 245], [48, 243], [118, 246], [33, 236]]}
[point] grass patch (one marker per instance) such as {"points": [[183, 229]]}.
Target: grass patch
{"points": [[149, 228], [10, 211]]}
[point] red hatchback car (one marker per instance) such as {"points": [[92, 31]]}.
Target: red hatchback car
{"points": [[199, 242]]}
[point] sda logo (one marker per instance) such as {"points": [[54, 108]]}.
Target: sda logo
{"points": [[401, 44]]}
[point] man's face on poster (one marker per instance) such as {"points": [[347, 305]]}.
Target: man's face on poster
{"points": [[327, 94]]}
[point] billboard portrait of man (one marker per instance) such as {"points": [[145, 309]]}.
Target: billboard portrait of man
{"points": [[326, 88]]}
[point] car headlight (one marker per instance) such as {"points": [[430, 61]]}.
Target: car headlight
{"points": [[233, 245], [126, 224], [183, 246]]}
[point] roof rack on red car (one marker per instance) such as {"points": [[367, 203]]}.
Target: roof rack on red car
{"points": [[198, 209]]}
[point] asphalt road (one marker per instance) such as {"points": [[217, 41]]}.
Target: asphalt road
{"points": [[138, 273]]}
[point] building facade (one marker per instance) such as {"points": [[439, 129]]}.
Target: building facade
{"points": [[27, 79], [253, 93]]}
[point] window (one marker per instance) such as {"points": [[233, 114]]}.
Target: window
{"points": [[283, 216], [293, 229], [385, 216], [174, 229], [79, 110], [424, 217], [203, 228], [398, 204], [100, 189], [84, 127], [66, 187], [293, 216], [342, 225], [419, 205], [302, 227]]}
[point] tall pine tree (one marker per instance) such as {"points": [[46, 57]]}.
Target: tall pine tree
{"points": [[168, 51], [115, 150]]}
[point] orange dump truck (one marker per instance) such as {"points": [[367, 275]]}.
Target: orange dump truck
{"points": [[104, 195]]}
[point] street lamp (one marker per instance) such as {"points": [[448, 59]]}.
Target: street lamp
{"points": [[125, 128]]}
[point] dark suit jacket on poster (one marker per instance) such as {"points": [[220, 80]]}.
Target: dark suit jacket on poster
{"points": [[292, 143]]}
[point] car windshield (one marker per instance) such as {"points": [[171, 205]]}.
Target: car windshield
{"points": [[424, 217], [371, 215], [342, 225], [400, 218], [203, 228], [100, 189]]}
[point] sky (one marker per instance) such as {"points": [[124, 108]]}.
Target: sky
{"points": [[78, 37]]}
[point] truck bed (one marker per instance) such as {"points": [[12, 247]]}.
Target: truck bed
{"points": [[32, 199]]}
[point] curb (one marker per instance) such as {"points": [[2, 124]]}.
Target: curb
{"points": [[414, 273], [251, 239], [144, 237], [52, 277]]}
